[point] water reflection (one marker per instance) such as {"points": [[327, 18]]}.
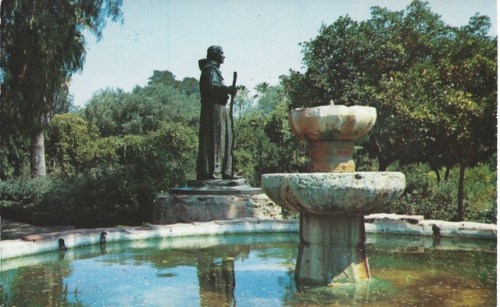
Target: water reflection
{"points": [[217, 281], [40, 285], [216, 274], [248, 271]]}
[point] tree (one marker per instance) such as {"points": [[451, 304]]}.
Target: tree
{"points": [[145, 109], [434, 86], [242, 103], [103, 111], [262, 87], [42, 46], [268, 96], [264, 141], [187, 86]]}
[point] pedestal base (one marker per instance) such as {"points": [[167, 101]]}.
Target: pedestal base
{"points": [[332, 250], [209, 200]]}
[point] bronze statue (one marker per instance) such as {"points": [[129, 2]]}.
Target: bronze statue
{"points": [[215, 135]]}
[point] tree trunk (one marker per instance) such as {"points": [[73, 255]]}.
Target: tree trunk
{"points": [[382, 165], [447, 173], [38, 168], [436, 170], [383, 162], [461, 179]]}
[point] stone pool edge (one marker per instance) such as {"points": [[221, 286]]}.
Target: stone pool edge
{"points": [[374, 223]]}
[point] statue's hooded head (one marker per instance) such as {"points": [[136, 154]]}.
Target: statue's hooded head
{"points": [[215, 53]]}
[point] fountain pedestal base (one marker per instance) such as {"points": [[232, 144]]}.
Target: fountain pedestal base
{"points": [[332, 250]]}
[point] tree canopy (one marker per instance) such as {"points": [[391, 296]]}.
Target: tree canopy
{"points": [[434, 85], [42, 46], [145, 109]]}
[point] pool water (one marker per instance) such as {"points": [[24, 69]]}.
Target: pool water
{"points": [[249, 270]]}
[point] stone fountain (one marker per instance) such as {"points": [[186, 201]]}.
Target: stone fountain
{"points": [[333, 199]]}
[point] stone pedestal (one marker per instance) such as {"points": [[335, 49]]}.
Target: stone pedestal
{"points": [[209, 200], [332, 250]]}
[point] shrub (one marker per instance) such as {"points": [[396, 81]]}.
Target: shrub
{"points": [[265, 144], [129, 172], [105, 198], [171, 156], [425, 196], [23, 193], [123, 176], [68, 138]]}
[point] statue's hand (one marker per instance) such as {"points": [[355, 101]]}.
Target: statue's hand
{"points": [[232, 90]]}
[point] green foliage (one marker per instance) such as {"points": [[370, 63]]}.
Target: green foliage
{"points": [[164, 99], [42, 46], [23, 193], [67, 140], [162, 159], [436, 200], [253, 149], [264, 142], [104, 198], [14, 155], [242, 103], [118, 181], [107, 167], [188, 86], [481, 187]]}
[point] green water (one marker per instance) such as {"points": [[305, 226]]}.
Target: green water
{"points": [[249, 270]]}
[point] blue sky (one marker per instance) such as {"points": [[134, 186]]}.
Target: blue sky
{"points": [[260, 38]]}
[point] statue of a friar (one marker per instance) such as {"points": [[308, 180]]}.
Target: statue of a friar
{"points": [[215, 135]]}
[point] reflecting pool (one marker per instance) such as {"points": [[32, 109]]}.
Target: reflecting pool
{"points": [[249, 270]]}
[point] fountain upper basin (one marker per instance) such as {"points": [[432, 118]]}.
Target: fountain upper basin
{"points": [[334, 193], [332, 122]]}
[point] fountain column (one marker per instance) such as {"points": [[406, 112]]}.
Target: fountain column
{"points": [[331, 249], [332, 199]]}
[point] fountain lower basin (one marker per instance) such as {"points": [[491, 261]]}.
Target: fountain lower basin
{"points": [[332, 208], [334, 193]]}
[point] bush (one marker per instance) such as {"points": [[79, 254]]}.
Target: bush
{"points": [[123, 176], [488, 215], [129, 172], [265, 144], [23, 193], [425, 196], [102, 198], [20, 198], [68, 138], [171, 157], [105, 198]]}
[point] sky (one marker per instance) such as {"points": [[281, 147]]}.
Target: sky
{"points": [[260, 38]]}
